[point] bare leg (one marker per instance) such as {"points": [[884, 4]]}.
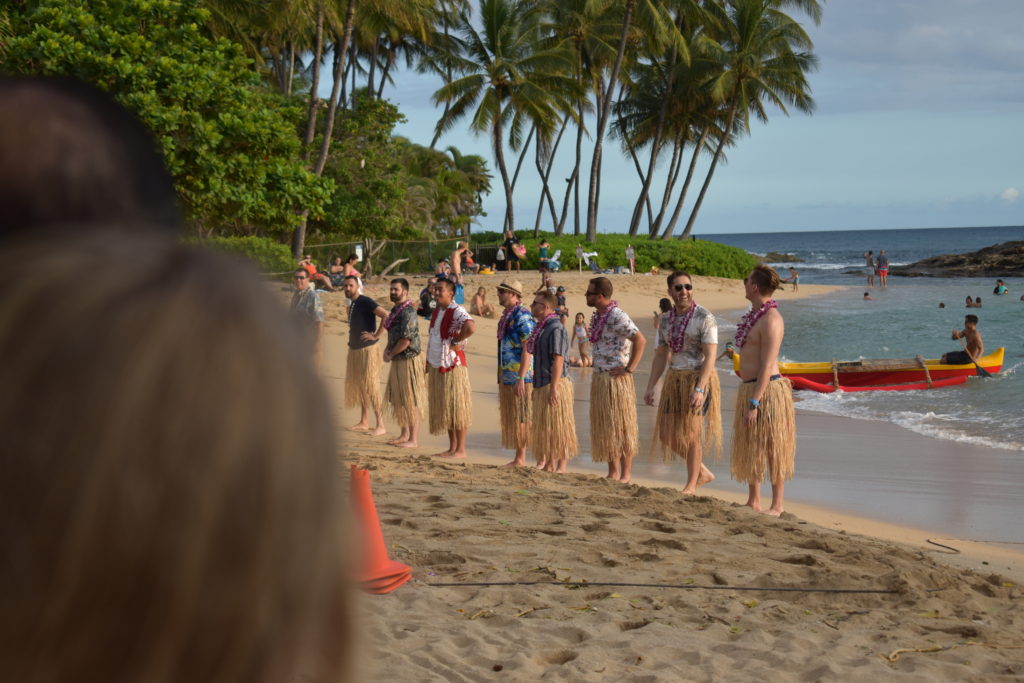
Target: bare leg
{"points": [[519, 460], [364, 421], [706, 476], [754, 496], [414, 433], [613, 469], [627, 468], [451, 446], [457, 439], [563, 466], [402, 437], [778, 488], [379, 430]]}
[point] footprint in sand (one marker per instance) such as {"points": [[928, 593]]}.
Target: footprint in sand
{"points": [[657, 526]]}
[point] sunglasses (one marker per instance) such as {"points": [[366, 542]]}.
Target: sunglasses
{"points": [[687, 286], [301, 277]]}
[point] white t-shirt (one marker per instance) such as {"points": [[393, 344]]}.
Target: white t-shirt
{"points": [[702, 329], [439, 351]]}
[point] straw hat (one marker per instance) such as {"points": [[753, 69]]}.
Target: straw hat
{"points": [[516, 287]]}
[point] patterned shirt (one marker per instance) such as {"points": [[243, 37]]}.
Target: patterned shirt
{"points": [[405, 326], [612, 349], [510, 346], [702, 329], [440, 353], [553, 341], [306, 306]]}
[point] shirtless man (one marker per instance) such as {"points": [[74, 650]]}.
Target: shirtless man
{"points": [[764, 444], [975, 347]]}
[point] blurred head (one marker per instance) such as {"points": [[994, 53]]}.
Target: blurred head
{"points": [[580, 318], [680, 288], [599, 291], [301, 278], [543, 305], [352, 259], [336, 261], [444, 292], [72, 156], [161, 532], [762, 280], [481, 292], [970, 321], [399, 290]]}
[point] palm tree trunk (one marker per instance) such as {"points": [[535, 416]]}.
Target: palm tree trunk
{"points": [[499, 157], [384, 74], [670, 184], [314, 99], [447, 74], [544, 170], [373, 67], [726, 134], [522, 157], [602, 122], [641, 201], [671, 227], [291, 67]]}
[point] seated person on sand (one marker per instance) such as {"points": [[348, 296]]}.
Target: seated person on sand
{"points": [[349, 268], [314, 277], [479, 304], [975, 347]]}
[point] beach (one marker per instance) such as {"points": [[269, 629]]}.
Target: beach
{"points": [[471, 521]]}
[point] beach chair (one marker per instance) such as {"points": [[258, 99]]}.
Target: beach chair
{"points": [[591, 261], [553, 262]]}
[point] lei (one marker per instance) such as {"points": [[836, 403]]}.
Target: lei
{"points": [[676, 333], [535, 335], [598, 320], [505, 318], [750, 319], [397, 311]]}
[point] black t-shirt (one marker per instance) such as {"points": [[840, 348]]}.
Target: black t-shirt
{"points": [[361, 319], [510, 252]]}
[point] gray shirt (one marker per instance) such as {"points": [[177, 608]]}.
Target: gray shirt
{"points": [[553, 341]]}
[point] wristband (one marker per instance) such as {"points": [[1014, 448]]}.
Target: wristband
{"points": [[754, 403]]}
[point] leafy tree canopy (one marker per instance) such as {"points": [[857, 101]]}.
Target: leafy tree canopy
{"points": [[230, 144]]}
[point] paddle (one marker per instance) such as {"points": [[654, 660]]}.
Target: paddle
{"points": [[982, 372]]}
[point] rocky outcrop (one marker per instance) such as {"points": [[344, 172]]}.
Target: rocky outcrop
{"points": [[1001, 260], [778, 257]]}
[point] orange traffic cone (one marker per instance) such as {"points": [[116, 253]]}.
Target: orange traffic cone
{"points": [[378, 574]]}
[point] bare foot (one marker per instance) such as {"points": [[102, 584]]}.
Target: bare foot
{"points": [[563, 467], [453, 456], [361, 427], [442, 454], [756, 507], [624, 480], [397, 441], [379, 431], [688, 491], [773, 512], [515, 463], [614, 476], [705, 476], [407, 444]]}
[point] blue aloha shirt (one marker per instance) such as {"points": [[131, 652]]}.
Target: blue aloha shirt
{"points": [[510, 347]]}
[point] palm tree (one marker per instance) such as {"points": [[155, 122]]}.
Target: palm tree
{"points": [[766, 56], [510, 79]]}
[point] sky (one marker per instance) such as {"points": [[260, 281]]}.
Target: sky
{"points": [[919, 123]]}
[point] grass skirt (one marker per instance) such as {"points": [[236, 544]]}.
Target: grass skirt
{"points": [[613, 428], [677, 423], [515, 416], [406, 392], [450, 399], [768, 449], [362, 377], [553, 435]]}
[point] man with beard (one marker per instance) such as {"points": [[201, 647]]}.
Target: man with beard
{"points": [[689, 413], [405, 394], [553, 437], [515, 374], [448, 391], [362, 372]]}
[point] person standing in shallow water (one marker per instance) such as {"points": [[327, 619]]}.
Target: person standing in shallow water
{"points": [[618, 347], [689, 413], [764, 441]]}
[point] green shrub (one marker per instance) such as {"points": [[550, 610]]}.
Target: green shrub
{"points": [[697, 257], [269, 255]]}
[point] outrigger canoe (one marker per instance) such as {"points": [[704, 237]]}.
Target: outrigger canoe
{"points": [[882, 374]]}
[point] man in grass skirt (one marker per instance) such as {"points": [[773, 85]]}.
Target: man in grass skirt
{"points": [[406, 392], [515, 375], [363, 365], [618, 346], [553, 435], [764, 443], [689, 419], [448, 390]]}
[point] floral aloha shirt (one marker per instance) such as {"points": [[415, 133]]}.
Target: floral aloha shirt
{"points": [[510, 346], [612, 349]]}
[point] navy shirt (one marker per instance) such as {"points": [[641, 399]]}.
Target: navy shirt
{"points": [[361, 319], [553, 341]]}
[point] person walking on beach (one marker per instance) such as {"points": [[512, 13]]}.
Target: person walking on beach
{"points": [[869, 266], [883, 269], [764, 441], [512, 247], [618, 347], [553, 434], [449, 395], [581, 336], [307, 310], [363, 365], [631, 259], [975, 347], [689, 418], [543, 253], [405, 394], [579, 257], [515, 372]]}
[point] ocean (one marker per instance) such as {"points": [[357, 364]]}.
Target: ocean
{"points": [[904, 320]]}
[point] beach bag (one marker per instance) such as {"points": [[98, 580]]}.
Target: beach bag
{"points": [[500, 256], [519, 249], [460, 294]]}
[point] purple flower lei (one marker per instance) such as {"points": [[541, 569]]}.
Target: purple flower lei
{"points": [[750, 319], [504, 320], [390, 320], [535, 335], [598, 320], [677, 333]]}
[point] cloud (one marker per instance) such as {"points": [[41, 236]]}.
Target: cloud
{"points": [[1010, 194]]}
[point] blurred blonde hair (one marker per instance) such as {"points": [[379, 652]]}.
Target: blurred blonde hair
{"points": [[170, 503]]}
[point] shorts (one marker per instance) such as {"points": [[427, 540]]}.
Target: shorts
{"points": [[957, 358], [883, 271]]}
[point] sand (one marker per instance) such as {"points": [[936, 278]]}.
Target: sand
{"points": [[473, 521]]}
